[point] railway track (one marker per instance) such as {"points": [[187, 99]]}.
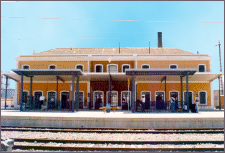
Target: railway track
{"points": [[94, 145], [33, 143], [111, 130]]}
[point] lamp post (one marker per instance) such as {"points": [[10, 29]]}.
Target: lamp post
{"points": [[108, 106]]}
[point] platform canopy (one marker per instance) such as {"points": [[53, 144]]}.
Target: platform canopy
{"points": [[181, 72]]}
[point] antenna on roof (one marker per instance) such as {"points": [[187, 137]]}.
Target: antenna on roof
{"points": [[33, 52], [119, 47], [149, 46]]}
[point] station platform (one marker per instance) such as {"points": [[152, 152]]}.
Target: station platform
{"points": [[119, 119]]}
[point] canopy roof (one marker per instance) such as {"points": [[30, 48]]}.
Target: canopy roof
{"points": [[33, 72], [47, 77], [181, 72]]}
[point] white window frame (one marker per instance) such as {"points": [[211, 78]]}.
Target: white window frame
{"points": [[144, 65], [25, 65], [111, 65], [160, 91], [99, 65], [79, 96], [125, 65], [80, 65], [199, 65], [94, 98], [52, 65], [174, 64], [111, 93], [200, 97], [122, 97], [185, 97]]}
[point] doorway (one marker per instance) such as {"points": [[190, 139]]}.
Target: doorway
{"points": [[126, 100], [146, 98], [159, 100], [174, 94], [37, 95], [65, 98], [51, 103], [189, 98], [25, 97], [98, 99], [81, 99]]}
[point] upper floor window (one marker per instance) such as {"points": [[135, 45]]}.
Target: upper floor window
{"points": [[145, 66], [173, 66], [99, 68], [113, 68], [124, 67], [201, 68], [80, 67], [26, 66], [52, 67]]}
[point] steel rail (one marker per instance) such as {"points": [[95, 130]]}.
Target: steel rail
{"points": [[113, 148], [116, 141], [88, 128], [112, 131]]}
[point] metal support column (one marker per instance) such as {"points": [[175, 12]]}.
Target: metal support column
{"points": [[219, 95], [109, 87], [6, 90], [181, 91], [21, 93], [73, 93], [57, 99], [187, 94], [77, 94], [31, 95], [133, 93], [165, 90]]}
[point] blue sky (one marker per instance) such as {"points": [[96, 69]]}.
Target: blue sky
{"points": [[191, 26]]}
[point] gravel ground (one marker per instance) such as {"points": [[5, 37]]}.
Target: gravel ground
{"points": [[117, 136]]}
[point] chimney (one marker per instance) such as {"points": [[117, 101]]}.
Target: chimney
{"points": [[159, 39]]}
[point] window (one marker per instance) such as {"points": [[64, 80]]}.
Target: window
{"points": [[25, 66], [80, 67], [52, 67], [173, 66], [145, 66], [124, 67], [114, 98], [98, 68], [113, 68], [202, 97], [201, 68]]}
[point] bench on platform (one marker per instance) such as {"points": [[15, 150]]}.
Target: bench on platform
{"points": [[104, 108]]}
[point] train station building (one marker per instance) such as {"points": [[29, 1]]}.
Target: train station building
{"points": [[155, 75]]}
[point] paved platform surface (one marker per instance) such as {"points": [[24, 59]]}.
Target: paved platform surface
{"points": [[119, 119]]}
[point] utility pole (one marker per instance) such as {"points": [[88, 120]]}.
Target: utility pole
{"points": [[221, 80]]}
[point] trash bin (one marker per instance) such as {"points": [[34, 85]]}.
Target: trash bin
{"points": [[173, 107]]}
